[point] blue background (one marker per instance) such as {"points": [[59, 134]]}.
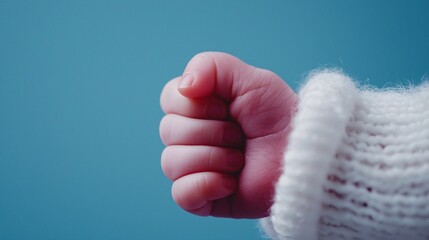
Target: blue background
{"points": [[79, 98]]}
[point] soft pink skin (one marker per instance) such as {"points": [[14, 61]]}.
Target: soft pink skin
{"points": [[225, 136]]}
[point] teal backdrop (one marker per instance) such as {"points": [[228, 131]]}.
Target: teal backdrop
{"points": [[79, 98]]}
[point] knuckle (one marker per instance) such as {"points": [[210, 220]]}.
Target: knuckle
{"points": [[203, 55], [166, 163], [203, 184], [165, 130], [178, 195], [166, 95], [207, 56]]}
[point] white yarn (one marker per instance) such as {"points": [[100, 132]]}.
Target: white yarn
{"points": [[356, 166]]}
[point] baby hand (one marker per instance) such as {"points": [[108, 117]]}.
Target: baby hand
{"points": [[225, 131]]}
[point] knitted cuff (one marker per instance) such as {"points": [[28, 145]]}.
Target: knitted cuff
{"points": [[345, 149], [325, 106]]}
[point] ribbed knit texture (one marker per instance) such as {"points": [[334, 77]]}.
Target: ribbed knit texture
{"points": [[356, 166]]}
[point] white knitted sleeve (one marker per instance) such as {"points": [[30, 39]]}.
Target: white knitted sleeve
{"points": [[356, 166]]}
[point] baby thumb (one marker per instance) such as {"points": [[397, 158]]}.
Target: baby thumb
{"points": [[212, 73], [199, 77]]}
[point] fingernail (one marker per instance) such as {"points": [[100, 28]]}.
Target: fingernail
{"points": [[187, 81]]}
